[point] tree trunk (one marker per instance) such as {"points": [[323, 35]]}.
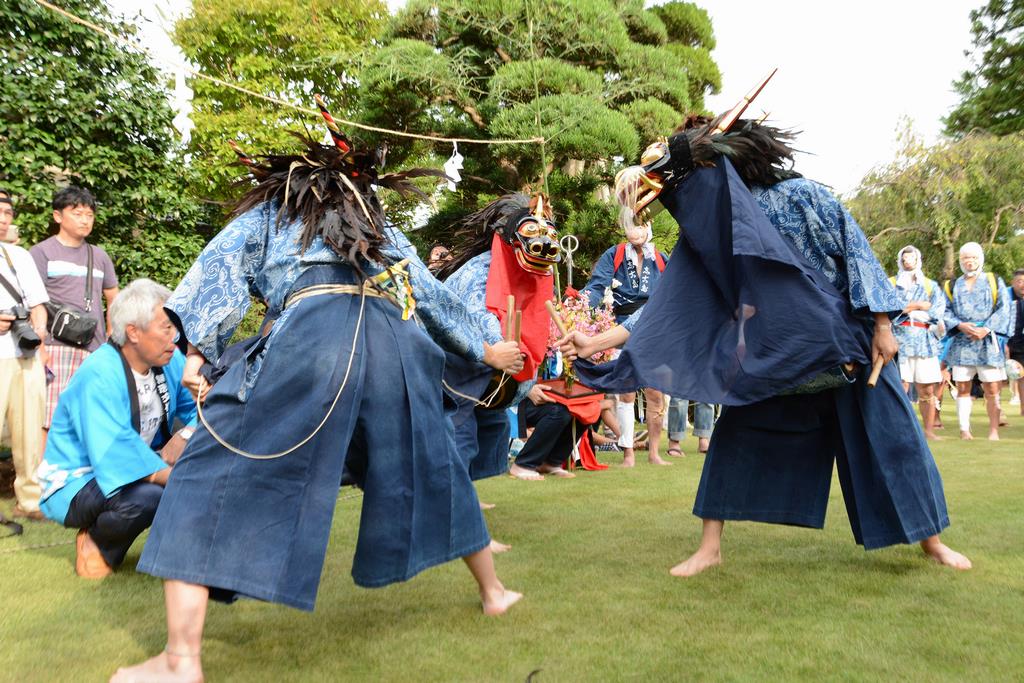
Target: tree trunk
{"points": [[948, 261]]}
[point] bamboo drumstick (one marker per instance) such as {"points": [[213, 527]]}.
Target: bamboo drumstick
{"points": [[519, 326], [876, 370], [510, 319]]}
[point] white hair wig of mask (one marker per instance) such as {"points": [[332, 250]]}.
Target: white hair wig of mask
{"points": [[972, 248], [627, 190], [134, 305]]}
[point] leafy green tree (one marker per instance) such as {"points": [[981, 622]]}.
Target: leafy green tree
{"points": [[992, 90], [597, 79], [937, 198], [285, 50], [77, 107]]}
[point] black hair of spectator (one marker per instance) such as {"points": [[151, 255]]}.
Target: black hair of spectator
{"points": [[1019, 271], [73, 196], [5, 193]]}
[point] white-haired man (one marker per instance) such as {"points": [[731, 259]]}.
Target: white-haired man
{"points": [[978, 310], [923, 305], [110, 448]]}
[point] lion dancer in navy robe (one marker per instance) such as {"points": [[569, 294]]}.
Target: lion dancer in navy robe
{"points": [[796, 344], [505, 256], [345, 378]]}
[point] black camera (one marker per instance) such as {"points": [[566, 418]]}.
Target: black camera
{"points": [[21, 328]]}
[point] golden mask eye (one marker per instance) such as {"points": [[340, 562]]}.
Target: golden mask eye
{"points": [[530, 229]]}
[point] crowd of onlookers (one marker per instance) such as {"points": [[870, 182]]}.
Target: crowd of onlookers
{"points": [[91, 460]]}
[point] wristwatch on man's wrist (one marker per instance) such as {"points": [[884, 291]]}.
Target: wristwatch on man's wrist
{"points": [[186, 433]]}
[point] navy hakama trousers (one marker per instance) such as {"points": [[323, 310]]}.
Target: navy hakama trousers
{"points": [[482, 435], [772, 462], [259, 528]]}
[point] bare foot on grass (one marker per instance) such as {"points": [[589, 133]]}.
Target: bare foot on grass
{"points": [[696, 563], [497, 547], [486, 506], [523, 474], [944, 555], [558, 472], [628, 458], [164, 668], [498, 603], [966, 436], [993, 435], [656, 460]]}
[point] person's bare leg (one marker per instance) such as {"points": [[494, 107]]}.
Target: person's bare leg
{"points": [[992, 407], [926, 404], [934, 548], [628, 457], [655, 415], [609, 418], [708, 555], [1020, 394], [179, 662], [496, 599]]}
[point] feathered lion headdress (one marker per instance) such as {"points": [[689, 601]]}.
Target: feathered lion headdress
{"points": [[331, 189]]}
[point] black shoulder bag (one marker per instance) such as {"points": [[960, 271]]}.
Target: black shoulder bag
{"points": [[69, 325]]}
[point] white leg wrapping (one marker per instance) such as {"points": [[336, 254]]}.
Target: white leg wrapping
{"points": [[963, 412], [627, 428]]}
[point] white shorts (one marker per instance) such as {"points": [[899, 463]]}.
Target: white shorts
{"points": [[920, 370], [986, 373]]}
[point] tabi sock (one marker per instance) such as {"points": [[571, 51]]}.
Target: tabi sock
{"points": [[627, 427], [963, 412]]}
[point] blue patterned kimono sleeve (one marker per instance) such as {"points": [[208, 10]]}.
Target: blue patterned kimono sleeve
{"points": [[214, 295], [469, 283], [443, 313], [868, 286], [1002, 318], [601, 278], [630, 322]]}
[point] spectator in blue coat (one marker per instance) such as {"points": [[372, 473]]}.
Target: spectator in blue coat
{"points": [[110, 449]]}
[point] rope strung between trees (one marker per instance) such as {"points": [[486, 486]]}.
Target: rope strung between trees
{"points": [[252, 93]]}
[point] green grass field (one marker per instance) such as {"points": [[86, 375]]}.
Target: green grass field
{"points": [[592, 557]]}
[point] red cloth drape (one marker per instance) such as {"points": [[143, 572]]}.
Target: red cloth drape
{"points": [[507, 277]]}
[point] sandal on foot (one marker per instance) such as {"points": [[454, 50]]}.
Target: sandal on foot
{"points": [[675, 453]]}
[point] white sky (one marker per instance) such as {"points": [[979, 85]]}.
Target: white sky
{"points": [[848, 71]]}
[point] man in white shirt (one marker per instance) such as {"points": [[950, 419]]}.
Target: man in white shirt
{"points": [[22, 380]]}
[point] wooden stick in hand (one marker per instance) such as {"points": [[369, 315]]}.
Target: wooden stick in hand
{"points": [[553, 312], [876, 370], [510, 319]]}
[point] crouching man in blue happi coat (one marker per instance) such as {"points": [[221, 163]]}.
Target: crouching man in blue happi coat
{"points": [[793, 310], [345, 377], [110, 449]]}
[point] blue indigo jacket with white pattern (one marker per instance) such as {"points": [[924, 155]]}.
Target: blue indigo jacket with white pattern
{"points": [[977, 305], [252, 256], [915, 341]]}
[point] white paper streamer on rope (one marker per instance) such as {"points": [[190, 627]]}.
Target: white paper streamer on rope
{"points": [[183, 106], [453, 166]]}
